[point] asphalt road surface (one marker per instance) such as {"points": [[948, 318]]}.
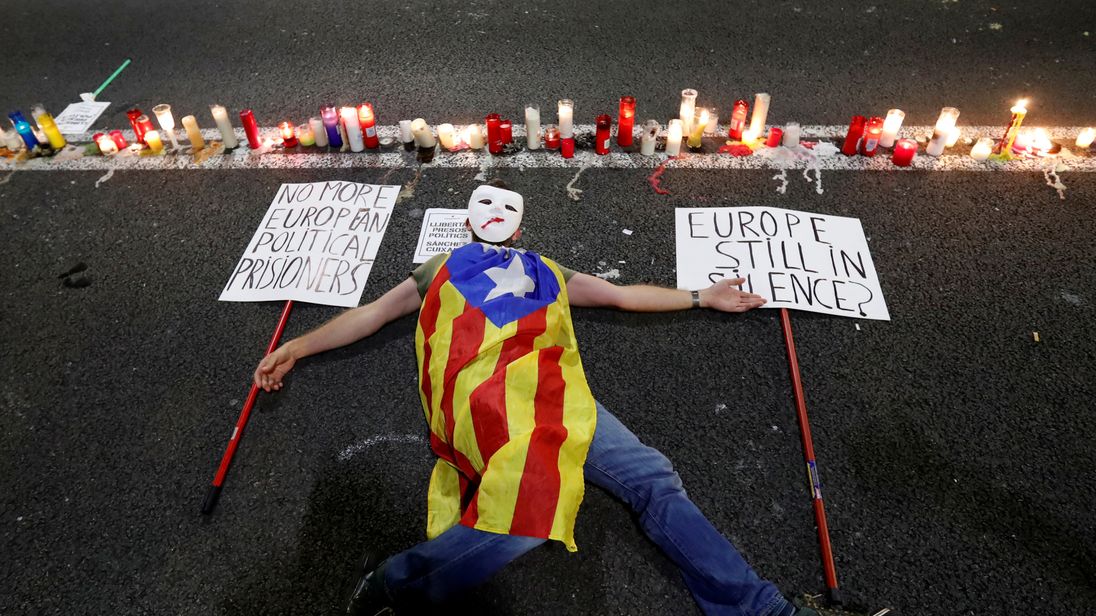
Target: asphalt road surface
{"points": [[955, 445]]}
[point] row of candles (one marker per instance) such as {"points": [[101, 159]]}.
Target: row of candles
{"points": [[357, 128]]}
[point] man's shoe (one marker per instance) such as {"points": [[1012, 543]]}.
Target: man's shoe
{"points": [[368, 597]]}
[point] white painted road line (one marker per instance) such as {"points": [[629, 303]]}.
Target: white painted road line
{"points": [[394, 157]]}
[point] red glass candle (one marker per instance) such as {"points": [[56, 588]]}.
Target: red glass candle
{"points": [[251, 127], [368, 121], [601, 138], [506, 130], [626, 120], [134, 116], [904, 151], [119, 139], [567, 147], [870, 143], [775, 135], [738, 122], [852, 138], [289, 139], [145, 124], [95, 139], [494, 133], [551, 137]]}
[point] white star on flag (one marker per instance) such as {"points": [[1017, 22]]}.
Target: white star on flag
{"points": [[511, 279]]}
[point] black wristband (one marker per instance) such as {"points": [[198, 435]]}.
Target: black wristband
{"points": [[696, 298]]}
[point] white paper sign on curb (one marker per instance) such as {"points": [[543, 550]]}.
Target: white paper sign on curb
{"points": [[799, 260], [442, 231], [316, 243], [77, 118]]}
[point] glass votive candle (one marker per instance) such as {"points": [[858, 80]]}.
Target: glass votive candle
{"points": [[306, 136], [713, 121], [119, 139], [904, 151], [289, 136], [551, 137]]}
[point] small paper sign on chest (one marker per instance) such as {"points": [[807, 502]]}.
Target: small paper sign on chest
{"points": [[798, 260], [316, 243]]}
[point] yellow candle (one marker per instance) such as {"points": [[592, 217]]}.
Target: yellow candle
{"points": [[193, 133], [49, 127], [305, 135], [153, 141], [1018, 113], [698, 129], [1085, 138]]}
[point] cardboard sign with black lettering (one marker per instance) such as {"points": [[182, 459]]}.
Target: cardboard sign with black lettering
{"points": [[799, 260], [316, 243]]}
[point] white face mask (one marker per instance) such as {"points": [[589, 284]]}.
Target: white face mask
{"points": [[495, 213]]}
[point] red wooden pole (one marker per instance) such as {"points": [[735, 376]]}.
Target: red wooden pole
{"points": [[214, 492], [828, 569]]}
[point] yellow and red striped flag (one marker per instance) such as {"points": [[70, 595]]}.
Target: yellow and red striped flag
{"points": [[510, 413]]}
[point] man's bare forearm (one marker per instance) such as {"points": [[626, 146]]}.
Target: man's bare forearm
{"points": [[647, 298], [347, 328], [355, 324]]}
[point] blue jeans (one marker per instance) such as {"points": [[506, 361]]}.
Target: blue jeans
{"points": [[720, 580]]}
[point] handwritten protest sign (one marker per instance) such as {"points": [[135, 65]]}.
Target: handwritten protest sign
{"points": [[316, 243], [77, 118], [793, 259], [442, 231]]}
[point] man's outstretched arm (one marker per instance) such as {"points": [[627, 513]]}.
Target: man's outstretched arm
{"points": [[348, 327], [593, 292]]}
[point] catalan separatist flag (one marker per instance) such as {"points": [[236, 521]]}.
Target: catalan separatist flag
{"points": [[511, 416]]}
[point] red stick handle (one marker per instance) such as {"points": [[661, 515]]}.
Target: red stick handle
{"points": [[828, 569], [214, 492]]}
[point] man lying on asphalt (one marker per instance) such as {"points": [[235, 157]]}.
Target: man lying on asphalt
{"points": [[515, 427]]}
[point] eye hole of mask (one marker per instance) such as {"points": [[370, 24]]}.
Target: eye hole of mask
{"points": [[485, 201], [511, 208]]}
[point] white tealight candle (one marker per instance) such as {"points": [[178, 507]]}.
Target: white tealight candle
{"points": [[318, 131], [687, 111], [713, 122], [106, 145], [940, 135], [760, 115], [532, 127], [650, 137], [1084, 139], [982, 149], [566, 119], [673, 137], [424, 138], [791, 135], [891, 126], [228, 134], [473, 136], [167, 122], [406, 136], [353, 128], [446, 136]]}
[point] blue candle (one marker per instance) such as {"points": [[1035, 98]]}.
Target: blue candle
{"points": [[17, 117], [26, 133], [331, 125]]}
